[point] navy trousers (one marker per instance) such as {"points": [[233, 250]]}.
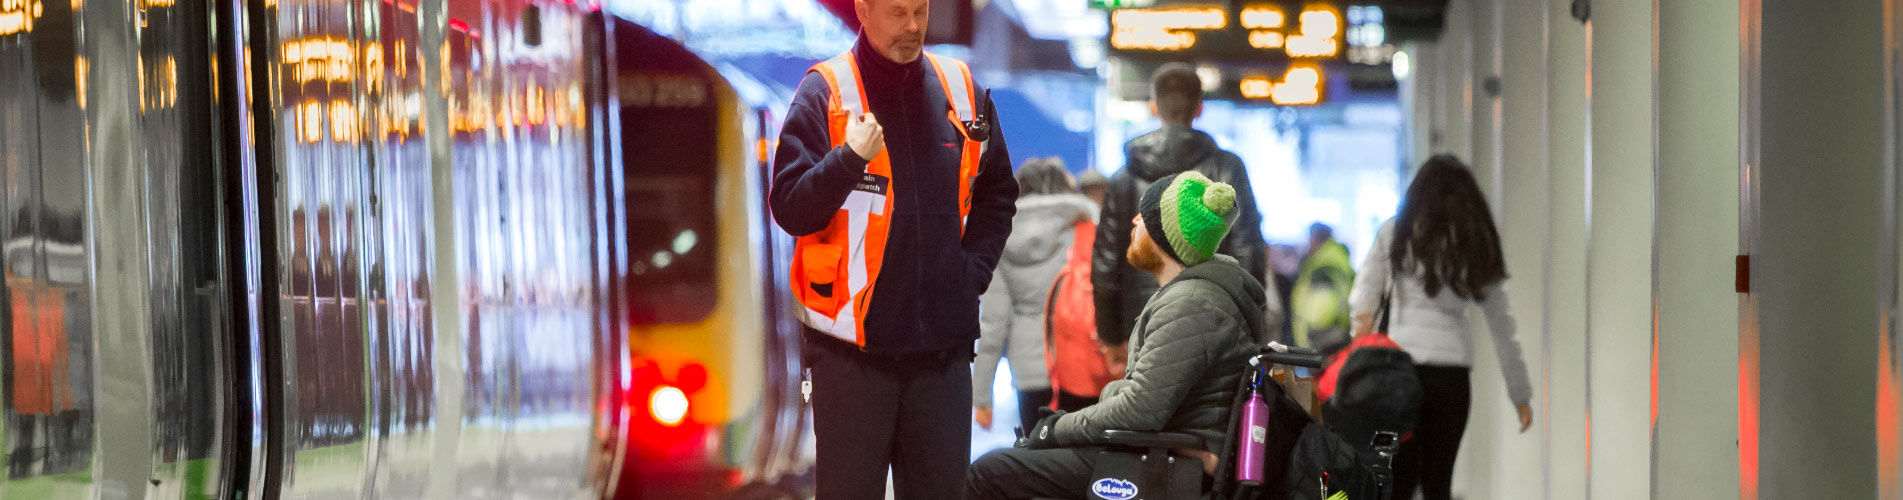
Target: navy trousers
{"points": [[911, 414]]}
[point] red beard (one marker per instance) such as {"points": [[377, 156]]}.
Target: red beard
{"points": [[1144, 254]]}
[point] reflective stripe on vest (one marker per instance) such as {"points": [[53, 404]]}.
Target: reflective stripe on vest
{"points": [[957, 86], [955, 78], [851, 98], [851, 249]]}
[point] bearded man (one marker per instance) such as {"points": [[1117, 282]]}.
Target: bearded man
{"points": [[893, 173], [1191, 343]]}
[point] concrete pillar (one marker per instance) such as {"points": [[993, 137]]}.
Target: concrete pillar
{"points": [[1454, 105], [1560, 395], [1423, 88], [1484, 155], [1889, 376], [1819, 180], [1473, 470], [1695, 439], [1619, 249], [1520, 207]]}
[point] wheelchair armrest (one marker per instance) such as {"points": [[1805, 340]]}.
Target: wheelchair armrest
{"points": [[1150, 439], [1304, 358]]}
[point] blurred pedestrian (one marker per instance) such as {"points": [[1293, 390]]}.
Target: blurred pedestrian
{"points": [[1074, 355], [1094, 185], [1319, 302], [1437, 258], [1012, 321]]}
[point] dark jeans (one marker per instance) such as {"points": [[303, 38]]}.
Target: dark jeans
{"points": [[1019, 473], [1427, 461], [1028, 403], [912, 414]]}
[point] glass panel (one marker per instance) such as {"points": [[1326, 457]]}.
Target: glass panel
{"points": [[367, 376], [47, 324], [45, 328], [403, 390], [324, 168], [189, 332], [110, 226], [520, 161]]}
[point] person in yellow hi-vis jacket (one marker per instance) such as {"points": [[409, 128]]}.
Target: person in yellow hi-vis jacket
{"points": [[893, 174], [1318, 309]]}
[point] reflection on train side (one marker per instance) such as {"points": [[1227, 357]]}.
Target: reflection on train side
{"points": [[49, 384], [439, 338], [118, 371], [372, 275]]}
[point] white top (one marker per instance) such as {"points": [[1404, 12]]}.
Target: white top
{"points": [[1434, 330]]}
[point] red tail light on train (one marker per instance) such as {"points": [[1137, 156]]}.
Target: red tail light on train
{"points": [[665, 428], [668, 405]]}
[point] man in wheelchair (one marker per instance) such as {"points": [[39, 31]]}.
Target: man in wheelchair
{"points": [[1190, 347]]}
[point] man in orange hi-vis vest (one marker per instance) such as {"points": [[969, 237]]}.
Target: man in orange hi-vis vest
{"points": [[892, 172]]}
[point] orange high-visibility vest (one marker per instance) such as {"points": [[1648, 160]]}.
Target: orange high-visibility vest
{"points": [[834, 270]]}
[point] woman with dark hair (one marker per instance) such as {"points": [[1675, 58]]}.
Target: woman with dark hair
{"points": [[1437, 258], [1011, 315]]}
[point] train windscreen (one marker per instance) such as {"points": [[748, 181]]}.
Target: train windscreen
{"points": [[667, 114]]}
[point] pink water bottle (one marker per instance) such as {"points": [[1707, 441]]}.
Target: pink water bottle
{"points": [[1253, 436]]}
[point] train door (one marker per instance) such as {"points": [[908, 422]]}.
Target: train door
{"points": [[431, 256]]}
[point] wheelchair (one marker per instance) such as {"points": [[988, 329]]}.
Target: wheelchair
{"points": [[1142, 465]]}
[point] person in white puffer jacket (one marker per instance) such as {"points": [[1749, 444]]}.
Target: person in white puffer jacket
{"points": [[1437, 258], [1011, 313]]}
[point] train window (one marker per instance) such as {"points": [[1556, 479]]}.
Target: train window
{"points": [[671, 256], [672, 170]]}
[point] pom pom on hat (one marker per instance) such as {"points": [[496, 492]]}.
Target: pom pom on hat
{"points": [[1220, 198]]}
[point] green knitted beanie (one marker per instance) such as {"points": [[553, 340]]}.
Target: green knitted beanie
{"points": [[1196, 215]]}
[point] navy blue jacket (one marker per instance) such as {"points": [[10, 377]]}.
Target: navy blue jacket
{"points": [[926, 298]]}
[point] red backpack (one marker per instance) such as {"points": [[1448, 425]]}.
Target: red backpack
{"points": [[1331, 376], [1071, 357], [1371, 386]]}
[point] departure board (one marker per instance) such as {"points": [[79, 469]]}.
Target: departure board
{"points": [[1251, 31]]}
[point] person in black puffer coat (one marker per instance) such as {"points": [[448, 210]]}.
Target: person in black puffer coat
{"points": [[1121, 290]]}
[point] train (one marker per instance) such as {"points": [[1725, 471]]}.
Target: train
{"points": [[386, 249], [715, 325]]}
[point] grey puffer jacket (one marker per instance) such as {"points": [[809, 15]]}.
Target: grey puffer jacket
{"points": [[1011, 314], [1191, 345]]}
